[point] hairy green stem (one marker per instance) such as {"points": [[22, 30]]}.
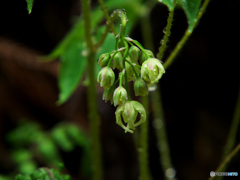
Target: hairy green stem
{"points": [[226, 161], [107, 16], [92, 96], [123, 17], [124, 67], [142, 48], [106, 31], [181, 43], [143, 151], [166, 35]]}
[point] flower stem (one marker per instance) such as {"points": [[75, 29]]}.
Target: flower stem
{"points": [[106, 31], [109, 62], [140, 46], [226, 161], [166, 35], [120, 77], [123, 17], [92, 96], [137, 76], [143, 154], [124, 67], [107, 16], [181, 43]]}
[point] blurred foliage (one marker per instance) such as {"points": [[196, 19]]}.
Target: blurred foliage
{"points": [[43, 174], [31, 145]]}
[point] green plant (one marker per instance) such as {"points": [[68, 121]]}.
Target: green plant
{"points": [[72, 69]]}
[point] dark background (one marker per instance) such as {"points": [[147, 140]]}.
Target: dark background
{"points": [[199, 90]]}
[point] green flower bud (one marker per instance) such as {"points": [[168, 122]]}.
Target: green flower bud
{"points": [[143, 56], [130, 73], [129, 112], [152, 70], [103, 60], [108, 94], [140, 88], [120, 96], [106, 77], [134, 54], [118, 61]]}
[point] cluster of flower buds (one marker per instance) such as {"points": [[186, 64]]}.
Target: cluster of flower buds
{"points": [[134, 64]]}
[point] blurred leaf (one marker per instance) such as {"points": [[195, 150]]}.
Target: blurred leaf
{"points": [[60, 137], [29, 5], [21, 155], [169, 3], [191, 8], [73, 64], [48, 150], [4, 177], [23, 177], [27, 167], [23, 134], [77, 135]]}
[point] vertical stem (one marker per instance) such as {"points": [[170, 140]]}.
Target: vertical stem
{"points": [[143, 154], [92, 96], [167, 33], [159, 122], [159, 125]]}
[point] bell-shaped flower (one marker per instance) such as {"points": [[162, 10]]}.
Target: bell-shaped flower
{"points": [[129, 112], [103, 60], [108, 94], [134, 54], [120, 96], [143, 57], [130, 72], [106, 77], [140, 88], [152, 70], [118, 61]]}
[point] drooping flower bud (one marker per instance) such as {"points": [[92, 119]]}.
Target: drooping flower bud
{"points": [[130, 72], [120, 96], [143, 56], [103, 60], [129, 112], [108, 94], [134, 54], [140, 87], [152, 70], [118, 61], [106, 77]]}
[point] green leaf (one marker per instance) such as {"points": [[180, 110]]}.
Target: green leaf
{"points": [[191, 8], [73, 64], [169, 3], [60, 137], [29, 5]]}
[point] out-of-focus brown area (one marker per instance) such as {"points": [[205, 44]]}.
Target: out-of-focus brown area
{"points": [[199, 90]]}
